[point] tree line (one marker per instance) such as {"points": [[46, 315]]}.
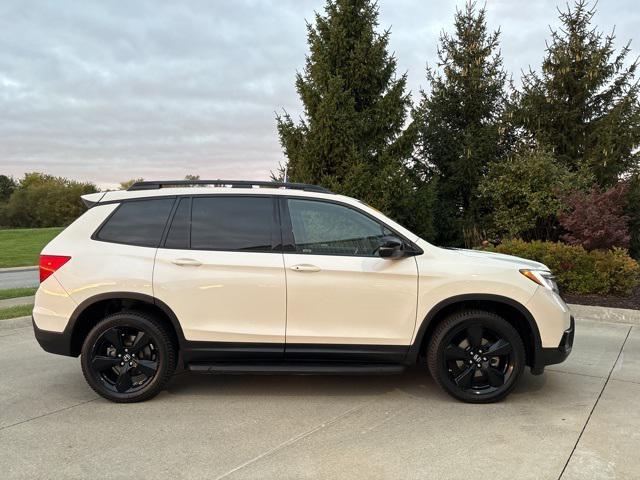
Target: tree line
{"points": [[475, 157]]}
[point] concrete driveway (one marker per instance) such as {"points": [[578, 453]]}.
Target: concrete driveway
{"points": [[580, 420]]}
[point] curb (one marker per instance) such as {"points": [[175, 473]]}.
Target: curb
{"points": [[606, 314], [18, 269], [18, 322]]}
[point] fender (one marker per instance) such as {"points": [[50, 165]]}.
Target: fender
{"points": [[414, 349], [129, 296]]}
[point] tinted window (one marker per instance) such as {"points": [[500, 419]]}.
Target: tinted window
{"points": [[328, 229], [231, 223], [178, 236], [139, 222]]}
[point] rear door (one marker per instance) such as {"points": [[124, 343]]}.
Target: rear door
{"points": [[221, 271]]}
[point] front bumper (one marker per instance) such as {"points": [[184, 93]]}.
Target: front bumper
{"points": [[53, 342], [553, 355]]}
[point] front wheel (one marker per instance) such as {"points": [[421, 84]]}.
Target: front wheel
{"points": [[476, 356], [128, 357]]}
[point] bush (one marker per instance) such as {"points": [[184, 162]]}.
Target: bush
{"points": [[577, 270], [42, 200], [595, 219], [522, 192]]}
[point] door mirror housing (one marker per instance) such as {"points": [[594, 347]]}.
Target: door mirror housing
{"points": [[391, 247]]}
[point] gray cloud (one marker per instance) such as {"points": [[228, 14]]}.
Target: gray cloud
{"points": [[106, 91]]}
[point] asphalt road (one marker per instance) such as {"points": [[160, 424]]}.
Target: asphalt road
{"points": [[580, 420], [18, 278]]}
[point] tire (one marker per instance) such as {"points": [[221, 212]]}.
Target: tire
{"points": [[459, 356], [128, 357]]}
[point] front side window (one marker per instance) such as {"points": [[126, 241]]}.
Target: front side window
{"points": [[232, 223], [323, 228], [139, 222]]}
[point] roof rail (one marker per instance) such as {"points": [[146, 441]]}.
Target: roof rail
{"points": [[152, 185]]}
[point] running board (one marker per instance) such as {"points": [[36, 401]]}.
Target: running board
{"points": [[306, 368]]}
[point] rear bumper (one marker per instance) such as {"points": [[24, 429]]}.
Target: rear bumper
{"points": [[553, 355], [53, 342]]}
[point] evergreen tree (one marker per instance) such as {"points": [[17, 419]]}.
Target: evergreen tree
{"points": [[459, 121], [351, 138], [584, 103]]}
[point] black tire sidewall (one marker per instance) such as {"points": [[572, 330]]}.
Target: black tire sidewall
{"points": [[459, 322], [163, 349]]}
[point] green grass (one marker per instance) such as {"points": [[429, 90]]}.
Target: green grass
{"points": [[17, 311], [20, 247], [17, 292]]}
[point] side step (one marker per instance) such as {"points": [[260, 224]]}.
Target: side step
{"points": [[297, 368]]}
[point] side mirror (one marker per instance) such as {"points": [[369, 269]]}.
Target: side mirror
{"points": [[391, 247]]}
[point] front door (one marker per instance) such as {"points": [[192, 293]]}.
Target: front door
{"points": [[343, 300], [221, 271]]}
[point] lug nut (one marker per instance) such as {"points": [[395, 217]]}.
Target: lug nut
{"points": [[126, 349], [119, 355], [479, 365], [131, 364], [122, 364], [484, 359]]}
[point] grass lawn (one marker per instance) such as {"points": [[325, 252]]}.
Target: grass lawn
{"points": [[20, 247], [17, 292], [17, 311]]}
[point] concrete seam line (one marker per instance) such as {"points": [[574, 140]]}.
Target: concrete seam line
{"points": [[292, 440], [48, 413], [584, 427]]}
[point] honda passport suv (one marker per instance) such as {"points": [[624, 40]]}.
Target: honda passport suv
{"points": [[264, 277]]}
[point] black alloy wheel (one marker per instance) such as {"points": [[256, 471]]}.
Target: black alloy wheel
{"points": [[128, 357], [476, 356]]}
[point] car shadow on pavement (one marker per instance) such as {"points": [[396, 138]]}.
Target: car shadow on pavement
{"points": [[415, 382]]}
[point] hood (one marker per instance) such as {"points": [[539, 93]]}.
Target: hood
{"points": [[501, 257]]}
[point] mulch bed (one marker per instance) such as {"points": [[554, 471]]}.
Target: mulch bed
{"points": [[632, 301]]}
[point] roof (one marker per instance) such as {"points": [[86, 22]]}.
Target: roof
{"points": [[201, 187], [155, 184]]}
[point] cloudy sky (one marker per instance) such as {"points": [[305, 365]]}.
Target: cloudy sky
{"points": [[111, 90]]}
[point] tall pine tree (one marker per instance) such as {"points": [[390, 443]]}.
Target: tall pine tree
{"points": [[584, 103], [459, 121], [351, 138]]}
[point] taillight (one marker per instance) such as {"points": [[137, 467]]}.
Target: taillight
{"points": [[51, 263]]}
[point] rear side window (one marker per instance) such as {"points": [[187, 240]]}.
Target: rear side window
{"points": [[139, 222], [232, 223]]}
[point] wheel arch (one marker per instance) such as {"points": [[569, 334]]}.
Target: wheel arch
{"points": [[511, 310], [88, 313]]}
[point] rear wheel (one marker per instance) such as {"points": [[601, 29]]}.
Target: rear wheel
{"points": [[476, 356], [128, 357]]}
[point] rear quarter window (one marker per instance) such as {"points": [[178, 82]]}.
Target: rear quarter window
{"points": [[139, 222]]}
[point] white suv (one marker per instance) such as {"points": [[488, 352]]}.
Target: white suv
{"points": [[264, 277]]}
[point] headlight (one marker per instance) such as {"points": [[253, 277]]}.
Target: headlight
{"points": [[541, 277]]}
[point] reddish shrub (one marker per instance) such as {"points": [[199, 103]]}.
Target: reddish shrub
{"points": [[595, 219]]}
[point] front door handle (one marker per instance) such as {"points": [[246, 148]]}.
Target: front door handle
{"points": [[305, 267], [187, 262]]}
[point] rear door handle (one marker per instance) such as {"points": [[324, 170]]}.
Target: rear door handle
{"points": [[187, 262], [305, 267]]}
